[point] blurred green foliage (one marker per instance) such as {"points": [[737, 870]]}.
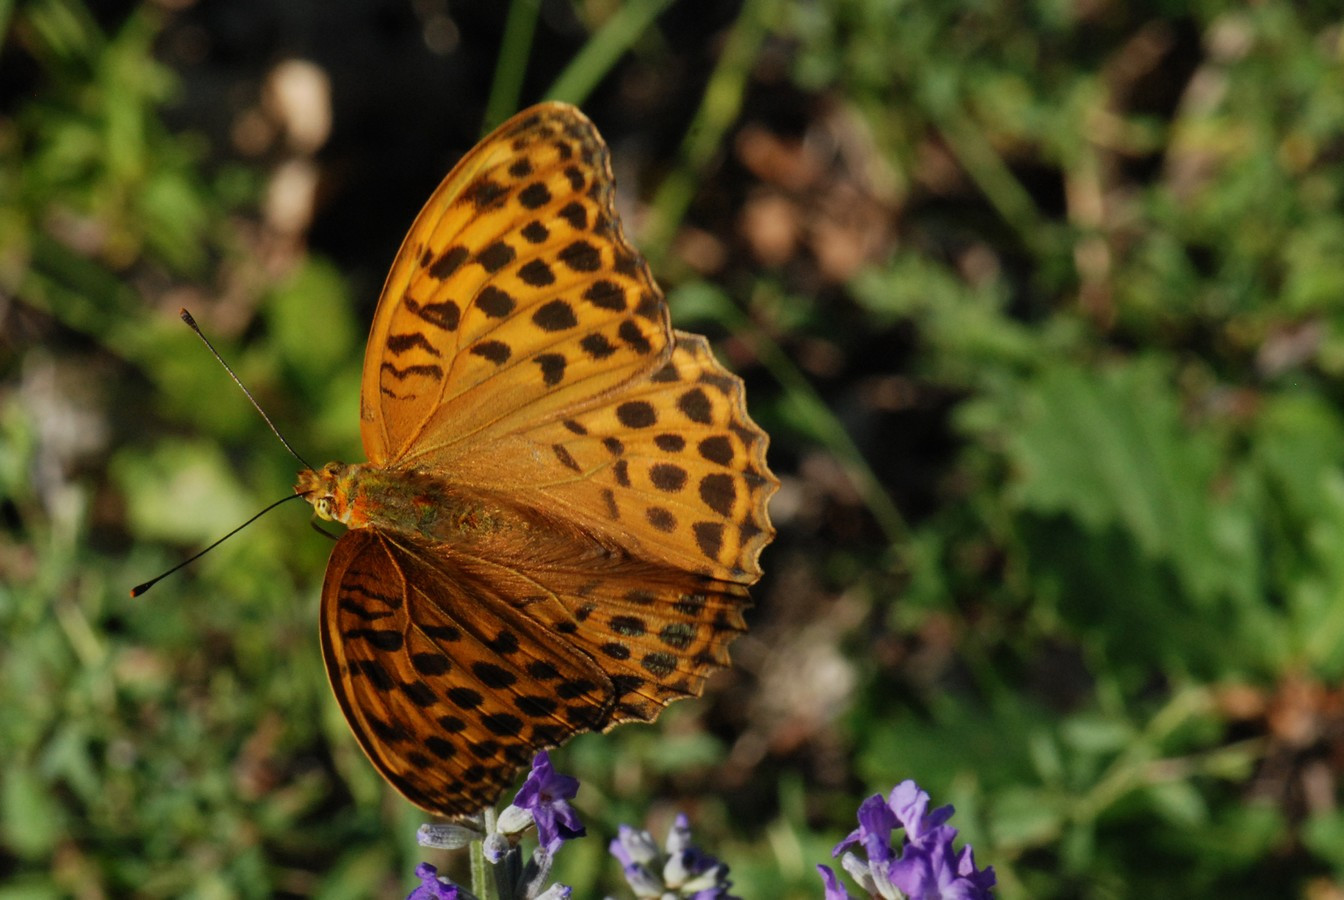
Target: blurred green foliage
{"points": [[1111, 632]]}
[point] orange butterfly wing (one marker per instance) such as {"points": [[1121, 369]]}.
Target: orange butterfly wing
{"points": [[671, 467], [522, 352], [479, 320], [453, 670], [400, 625]]}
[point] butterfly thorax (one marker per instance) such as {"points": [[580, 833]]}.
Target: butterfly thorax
{"points": [[365, 495]]}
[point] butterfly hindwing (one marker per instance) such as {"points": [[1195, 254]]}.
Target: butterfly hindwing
{"points": [[448, 687], [657, 633], [453, 670]]}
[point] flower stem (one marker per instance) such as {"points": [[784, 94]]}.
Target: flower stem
{"points": [[482, 872]]}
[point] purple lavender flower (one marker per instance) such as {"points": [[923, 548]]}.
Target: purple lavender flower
{"points": [[679, 870], [925, 866], [431, 888], [876, 820], [910, 805], [832, 884], [543, 799]]}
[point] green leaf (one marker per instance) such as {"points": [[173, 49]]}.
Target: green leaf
{"points": [[31, 819]]}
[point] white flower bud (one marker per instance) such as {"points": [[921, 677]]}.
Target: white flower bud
{"points": [[513, 820], [679, 835], [858, 870], [643, 882], [494, 847], [711, 877], [446, 837]]}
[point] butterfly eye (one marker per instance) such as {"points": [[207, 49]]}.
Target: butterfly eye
{"points": [[324, 508]]}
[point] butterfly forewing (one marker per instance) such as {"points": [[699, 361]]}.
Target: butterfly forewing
{"points": [[672, 467], [515, 290]]}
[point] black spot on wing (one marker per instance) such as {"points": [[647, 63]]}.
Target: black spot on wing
{"points": [[497, 352], [536, 273], [564, 457], [496, 256], [632, 335], [429, 370], [494, 302], [552, 367], [695, 406], [534, 195], [555, 315], [581, 256], [443, 315], [597, 346], [576, 214], [636, 414], [400, 343], [483, 193], [606, 295], [716, 449]]}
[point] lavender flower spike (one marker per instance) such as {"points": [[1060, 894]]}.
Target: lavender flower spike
{"points": [[543, 799], [680, 870], [431, 888], [922, 866]]}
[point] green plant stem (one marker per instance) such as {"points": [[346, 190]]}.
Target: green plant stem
{"points": [[1136, 767], [482, 871], [515, 47], [991, 174], [718, 110], [617, 35]]}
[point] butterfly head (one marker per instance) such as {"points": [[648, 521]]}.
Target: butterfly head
{"points": [[328, 490]]}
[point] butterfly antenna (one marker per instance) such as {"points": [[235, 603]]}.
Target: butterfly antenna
{"points": [[141, 588], [191, 323]]}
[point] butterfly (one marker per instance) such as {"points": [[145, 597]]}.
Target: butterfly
{"points": [[564, 499]]}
